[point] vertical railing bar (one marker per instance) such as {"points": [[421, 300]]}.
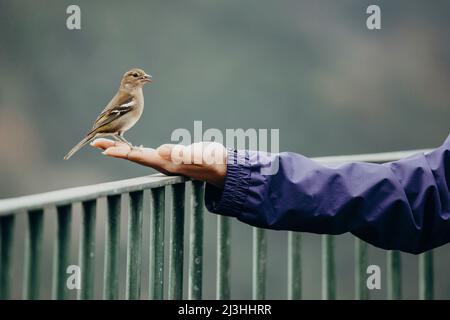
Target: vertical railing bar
{"points": [[176, 243], [196, 242], [62, 251], [259, 264], [394, 275], [361, 291], [112, 247], [294, 266], [223, 273], [328, 268], [426, 275], [6, 260], [87, 250], [156, 287], [33, 254], [134, 253]]}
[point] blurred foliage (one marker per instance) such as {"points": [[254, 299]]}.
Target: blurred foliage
{"points": [[309, 68]]}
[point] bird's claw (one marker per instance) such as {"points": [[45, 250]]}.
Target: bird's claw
{"points": [[136, 147]]}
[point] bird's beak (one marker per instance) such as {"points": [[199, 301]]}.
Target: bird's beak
{"points": [[147, 78]]}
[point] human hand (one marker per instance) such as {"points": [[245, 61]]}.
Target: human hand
{"points": [[204, 161]]}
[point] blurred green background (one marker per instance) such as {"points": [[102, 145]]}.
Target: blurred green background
{"points": [[309, 68]]}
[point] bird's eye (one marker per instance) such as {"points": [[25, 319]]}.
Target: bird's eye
{"points": [[135, 75]]}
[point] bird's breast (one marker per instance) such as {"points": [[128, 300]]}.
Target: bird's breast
{"points": [[129, 119]]}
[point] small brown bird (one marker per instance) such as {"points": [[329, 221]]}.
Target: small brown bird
{"points": [[121, 113]]}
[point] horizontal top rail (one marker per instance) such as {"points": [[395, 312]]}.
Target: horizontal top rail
{"points": [[84, 193]]}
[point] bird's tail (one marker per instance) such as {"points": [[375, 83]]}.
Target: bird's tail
{"points": [[80, 145]]}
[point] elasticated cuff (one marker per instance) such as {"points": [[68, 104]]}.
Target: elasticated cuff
{"points": [[231, 199]]}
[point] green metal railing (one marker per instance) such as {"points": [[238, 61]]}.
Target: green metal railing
{"points": [[37, 206]]}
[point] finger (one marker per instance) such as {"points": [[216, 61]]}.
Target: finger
{"points": [[144, 156], [105, 143], [134, 154], [195, 153], [200, 153], [179, 154], [214, 154]]}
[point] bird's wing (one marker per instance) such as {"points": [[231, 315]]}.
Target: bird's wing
{"points": [[119, 106]]}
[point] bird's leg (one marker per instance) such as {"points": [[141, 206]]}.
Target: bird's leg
{"points": [[116, 137], [121, 138]]}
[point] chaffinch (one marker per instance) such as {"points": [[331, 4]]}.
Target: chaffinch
{"points": [[121, 113]]}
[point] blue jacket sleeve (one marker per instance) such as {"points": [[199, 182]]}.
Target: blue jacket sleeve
{"points": [[403, 205]]}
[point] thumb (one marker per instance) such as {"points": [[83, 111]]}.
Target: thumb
{"points": [[165, 151], [179, 154]]}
